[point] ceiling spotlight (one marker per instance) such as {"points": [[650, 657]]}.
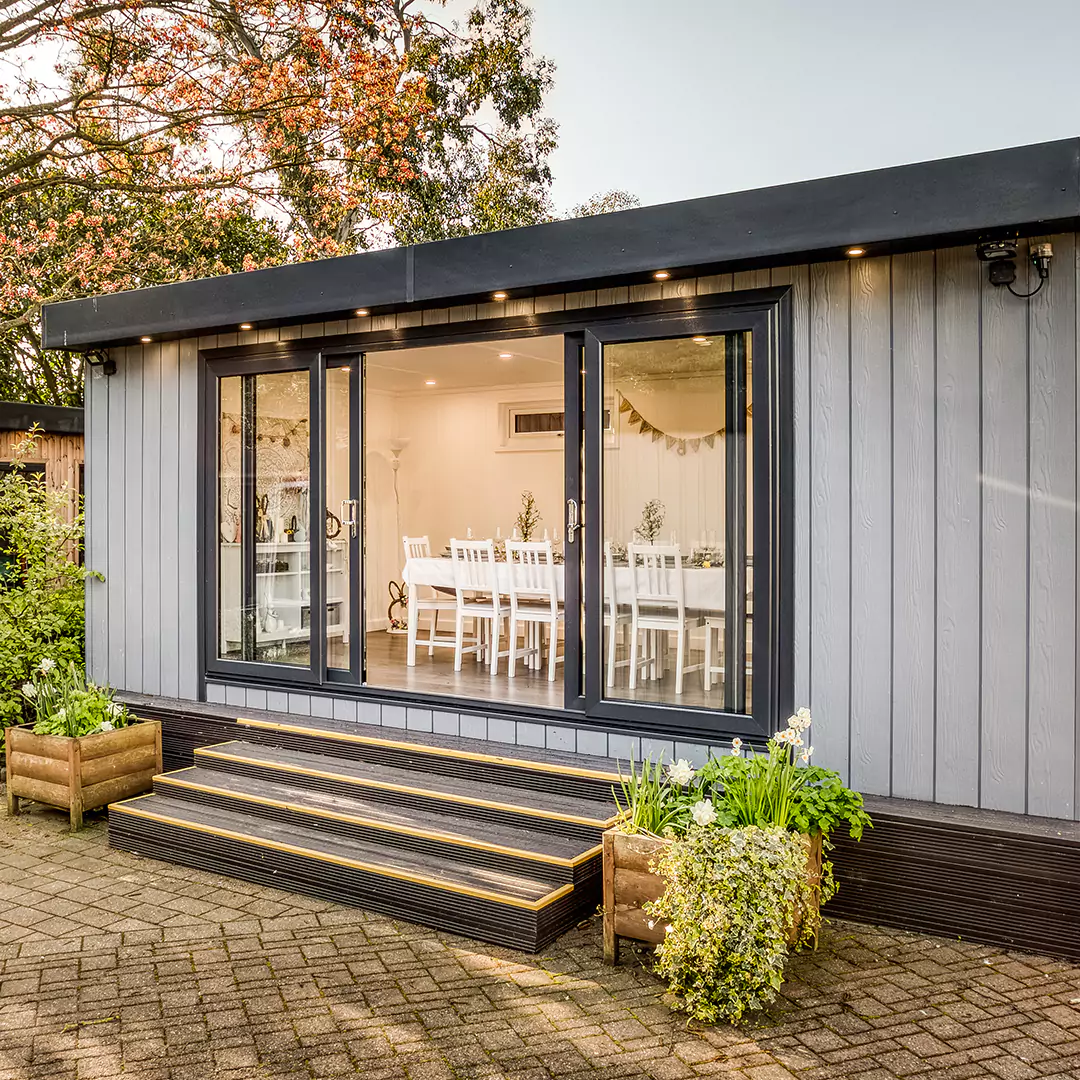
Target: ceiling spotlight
{"points": [[245, 326], [362, 311], [429, 382], [506, 356], [500, 296], [346, 370], [662, 275], [855, 252], [146, 340]]}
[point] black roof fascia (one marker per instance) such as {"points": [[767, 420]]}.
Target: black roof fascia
{"points": [[53, 419], [885, 209]]}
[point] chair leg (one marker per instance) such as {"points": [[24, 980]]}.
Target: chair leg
{"points": [[459, 634], [633, 654], [513, 646], [553, 641], [708, 658], [496, 626], [680, 659], [431, 634], [613, 632]]}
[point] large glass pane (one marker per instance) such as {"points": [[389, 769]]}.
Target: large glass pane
{"points": [[341, 511], [283, 526], [675, 506], [465, 442], [230, 557]]}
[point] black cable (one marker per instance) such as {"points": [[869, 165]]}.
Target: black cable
{"points": [[1025, 295]]}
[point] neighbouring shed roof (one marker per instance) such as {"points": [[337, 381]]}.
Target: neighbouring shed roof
{"points": [[52, 419], [1024, 189]]}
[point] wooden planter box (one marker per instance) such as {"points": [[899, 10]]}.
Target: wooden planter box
{"points": [[630, 882], [81, 773]]}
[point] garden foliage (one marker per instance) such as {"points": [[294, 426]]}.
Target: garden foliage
{"points": [[41, 584]]}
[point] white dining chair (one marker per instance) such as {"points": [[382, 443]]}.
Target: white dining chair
{"points": [[429, 600], [534, 600], [658, 605], [476, 587], [615, 618]]}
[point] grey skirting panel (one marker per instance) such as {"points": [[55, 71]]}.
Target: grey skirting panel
{"points": [[443, 722]]}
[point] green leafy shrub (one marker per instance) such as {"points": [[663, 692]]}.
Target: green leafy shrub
{"points": [[64, 703], [41, 584], [728, 904]]}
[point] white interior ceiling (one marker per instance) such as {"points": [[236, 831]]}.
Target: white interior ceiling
{"points": [[467, 366]]}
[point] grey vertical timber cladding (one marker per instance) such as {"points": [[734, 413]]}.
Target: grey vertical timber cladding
{"points": [[936, 545], [1052, 591], [97, 520], [871, 524], [830, 513], [957, 736], [169, 518], [1004, 438], [913, 510]]}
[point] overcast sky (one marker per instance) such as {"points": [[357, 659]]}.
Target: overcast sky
{"points": [[671, 100]]}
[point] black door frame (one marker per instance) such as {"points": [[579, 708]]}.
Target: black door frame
{"points": [[766, 311], [768, 692]]}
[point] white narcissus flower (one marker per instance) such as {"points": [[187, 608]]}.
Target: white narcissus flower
{"points": [[736, 751], [804, 757], [46, 665], [29, 689], [681, 772], [114, 709], [703, 812], [106, 725], [736, 744]]}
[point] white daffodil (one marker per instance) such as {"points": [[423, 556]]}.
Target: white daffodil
{"points": [[803, 716], [703, 812], [29, 689], [106, 725], [736, 743], [736, 751], [46, 665], [114, 709], [681, 772]]}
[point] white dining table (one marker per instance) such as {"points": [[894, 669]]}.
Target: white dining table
{"points": [[705, 589]]}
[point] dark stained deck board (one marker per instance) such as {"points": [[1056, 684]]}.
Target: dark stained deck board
{"points": [[443, 872], [437, 784]]}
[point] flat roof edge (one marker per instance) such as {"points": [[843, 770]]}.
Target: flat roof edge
{"points": [[961, 196]]}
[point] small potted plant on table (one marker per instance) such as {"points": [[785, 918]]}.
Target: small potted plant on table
{"points": [[724, 868], [83, 749]]}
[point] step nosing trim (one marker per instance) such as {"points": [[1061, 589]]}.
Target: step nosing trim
{"points": [[435, 751], [340, 860], [213, 753], [430, 834]]}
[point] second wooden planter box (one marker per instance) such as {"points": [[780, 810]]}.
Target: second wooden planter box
{"points": [[81, 773], [630, 882]]}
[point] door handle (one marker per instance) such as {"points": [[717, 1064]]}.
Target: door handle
{"points": [[572, 520], [350, 514]]}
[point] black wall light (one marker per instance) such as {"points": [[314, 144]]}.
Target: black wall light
{"points": [[98, 358], [1000, 257]]}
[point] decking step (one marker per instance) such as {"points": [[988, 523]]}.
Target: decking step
{"points": [[508, 909], [516, 850], [565, 815], [544, 770]]}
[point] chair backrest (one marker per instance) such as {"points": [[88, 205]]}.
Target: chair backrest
{"points": [[656, 577], [610, 598], [474, 567], [531, 566], [416, 547]]}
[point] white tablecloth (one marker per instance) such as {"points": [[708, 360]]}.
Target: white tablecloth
{"points": [[704, 588]]}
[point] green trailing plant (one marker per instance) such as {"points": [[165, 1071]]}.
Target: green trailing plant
{"points": [[652, 521], [528, 518], [42, 586], [64, 703], [728, 908]]}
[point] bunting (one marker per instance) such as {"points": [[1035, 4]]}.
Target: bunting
{"points": [[671, 442]]}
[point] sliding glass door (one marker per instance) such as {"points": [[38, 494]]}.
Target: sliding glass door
{"points": [[680, 522]]}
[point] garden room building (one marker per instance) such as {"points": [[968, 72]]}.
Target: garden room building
{"points": [[627, 485]]}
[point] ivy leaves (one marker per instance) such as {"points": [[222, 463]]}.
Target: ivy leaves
{"points": [[732, 900]]}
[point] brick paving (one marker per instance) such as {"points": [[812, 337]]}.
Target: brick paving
{"points": [[114, 966]]}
